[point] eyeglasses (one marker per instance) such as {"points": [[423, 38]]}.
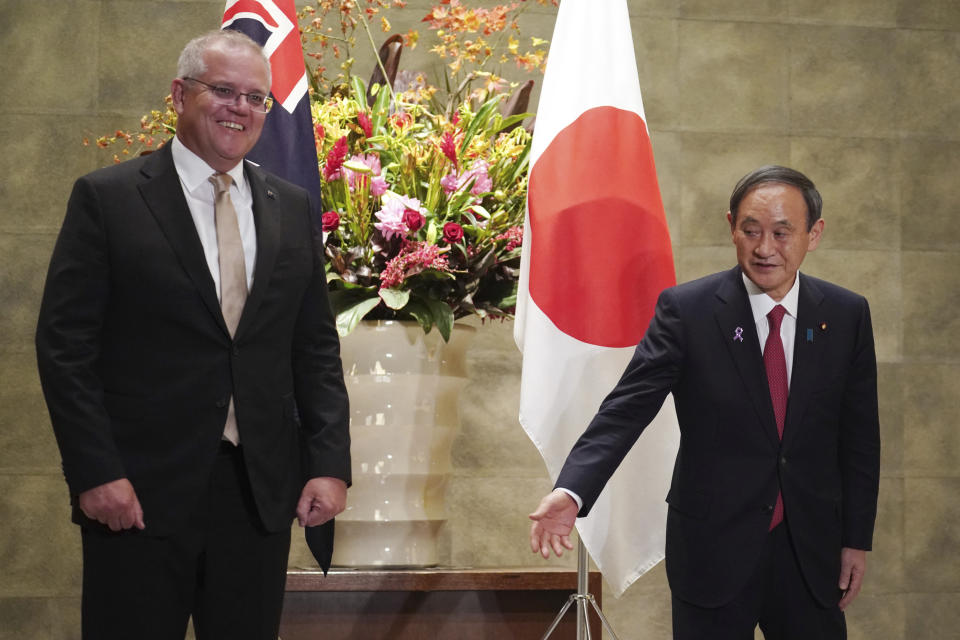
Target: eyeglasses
{"points": [[230, 96]]}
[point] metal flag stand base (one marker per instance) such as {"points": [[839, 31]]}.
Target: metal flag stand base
{"points": [[581, 598]]}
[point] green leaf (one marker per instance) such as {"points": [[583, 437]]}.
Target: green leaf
{"points": [[395, 298], [421, 313], [380, 108], [477, 209], [348, 319], [432, 232], [350, 304], [520, 117], [521, 164], [359, 90], [478, 121], [442, 316]]}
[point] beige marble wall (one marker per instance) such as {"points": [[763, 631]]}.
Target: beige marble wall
{"points": [[860, 94]]}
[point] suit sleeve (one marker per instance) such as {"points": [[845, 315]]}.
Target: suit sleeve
{"points": [[318, 378], [72, 311], [860, 441], [629, 408]]}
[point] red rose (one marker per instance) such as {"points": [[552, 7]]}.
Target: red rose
{"points": [[452, 232], [413, 219], [330, 220]]}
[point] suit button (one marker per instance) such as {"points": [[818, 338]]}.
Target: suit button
{"points": [[783, 460], [222, 402], [236, 350], [767, 508]]}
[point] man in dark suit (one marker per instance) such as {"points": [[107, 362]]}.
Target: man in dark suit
{"points": [[773, 373], [191, 367]]}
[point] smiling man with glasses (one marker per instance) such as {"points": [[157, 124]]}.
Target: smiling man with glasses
{"points": [[190, 364]]}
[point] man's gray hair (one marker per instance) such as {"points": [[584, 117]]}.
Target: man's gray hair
{"points": [[191, 63]]}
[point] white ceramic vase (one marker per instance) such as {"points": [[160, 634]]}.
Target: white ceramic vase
{"points": [[404, 390]]}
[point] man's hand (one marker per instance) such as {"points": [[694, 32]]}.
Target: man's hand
{"points": [[853, 564], [552, 522], [115, 504], [322, 498]]}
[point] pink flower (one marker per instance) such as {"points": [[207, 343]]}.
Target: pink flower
{"points": [[378, 184], [330, 220], [455, 118], [365, 123], [449, 182], [332, 168], [413, 219], [391, 216], [478, 173], [513, 236], [452, 232], [415, 257]]}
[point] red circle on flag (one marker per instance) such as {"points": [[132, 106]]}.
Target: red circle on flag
{"points": [[599, 249]]}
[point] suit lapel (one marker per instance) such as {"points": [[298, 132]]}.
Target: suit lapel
{"points": [[735, 318], [163, 195], [266, 216], [809, 346]]}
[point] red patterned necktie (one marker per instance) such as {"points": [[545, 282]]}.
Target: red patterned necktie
{"points": [[775, 363]]}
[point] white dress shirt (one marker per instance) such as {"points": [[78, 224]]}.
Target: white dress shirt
{"points": [[200, 194]]}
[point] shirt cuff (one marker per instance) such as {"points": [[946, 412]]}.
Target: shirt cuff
{"points": [[575, 497]]}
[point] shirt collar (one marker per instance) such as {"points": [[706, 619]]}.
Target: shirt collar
{"points": [[761, 304], [195, 173]]}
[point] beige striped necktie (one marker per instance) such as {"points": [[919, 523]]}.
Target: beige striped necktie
{"points": [[233, 273]]}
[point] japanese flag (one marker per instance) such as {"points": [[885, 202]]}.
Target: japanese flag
{"points": [[596, 254]]}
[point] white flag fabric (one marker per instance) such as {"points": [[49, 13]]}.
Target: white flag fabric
{"points": [[596, 254]]}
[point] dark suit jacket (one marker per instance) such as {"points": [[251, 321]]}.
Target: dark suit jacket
{"points": [[137, 365], [731, 461]]}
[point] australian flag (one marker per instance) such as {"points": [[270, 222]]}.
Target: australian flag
{"points": [[286, 147]]}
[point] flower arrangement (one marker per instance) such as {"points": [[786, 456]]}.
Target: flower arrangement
{"points": [[423, 198], [424, 215]]}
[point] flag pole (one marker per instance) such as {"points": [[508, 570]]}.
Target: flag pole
{"points": [[581, 598]]}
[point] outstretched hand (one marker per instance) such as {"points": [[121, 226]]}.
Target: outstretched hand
{"points": [[552, 523]]}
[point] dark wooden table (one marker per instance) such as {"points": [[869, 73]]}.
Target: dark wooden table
{"points": [[440, 603]]}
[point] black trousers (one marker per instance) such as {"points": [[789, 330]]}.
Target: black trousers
{"points": [[776, 597], [223, 568]]}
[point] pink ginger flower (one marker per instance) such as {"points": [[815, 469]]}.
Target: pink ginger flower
{"points": [[318, 135], [415, 257], [391, 216], [332, 169], [378, 184], [365, 123], [449, 148]]}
